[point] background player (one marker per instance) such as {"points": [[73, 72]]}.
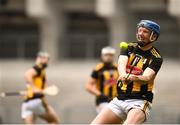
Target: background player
{"points": [[135, 96], [102, 82], [35, 104]]}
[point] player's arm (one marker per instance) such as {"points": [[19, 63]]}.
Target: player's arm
{"points": [[149, 73], [147, 76], [91, 87], [122, 63], [29, 78]]}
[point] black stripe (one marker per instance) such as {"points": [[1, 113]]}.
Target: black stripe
{"points": [[130, 85], [111, 88], [133, 60], [44, 82], [102, 79], [102, 84], [110, 91], [144, 89], [38, 70], [145, 65], [129, 88]]}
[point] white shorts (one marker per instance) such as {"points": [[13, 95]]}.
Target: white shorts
{"points": [[32, 107], [122, 107], [101, 106]]}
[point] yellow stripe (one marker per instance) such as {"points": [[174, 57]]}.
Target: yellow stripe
{"points": [[150, 61], [29, 92], [99, 66], [114, 91], [115, 76], [136, 87], [98, 84], [124, 87], [131, 59], [150, 86], [106, 90], [145, 106], [140, 63], [38, 81], [106, 77], [155, 53]]}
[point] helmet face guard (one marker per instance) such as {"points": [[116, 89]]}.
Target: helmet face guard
{"points": [[153, 27]]}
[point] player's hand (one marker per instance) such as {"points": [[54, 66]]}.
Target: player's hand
{"points": [[123, 78], [133, 78], [104, 98]]}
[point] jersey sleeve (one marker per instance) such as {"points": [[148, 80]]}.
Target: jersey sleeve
{"points": [[94, 74], [37, 69], [156, 64], [124, 52]]}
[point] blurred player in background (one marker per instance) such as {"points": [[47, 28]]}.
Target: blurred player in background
{"points": [[134, 100], [102, 82], [35, 104]]}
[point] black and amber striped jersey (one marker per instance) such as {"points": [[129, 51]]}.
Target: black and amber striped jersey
{"points": [[106, 76], [134, 90], [39, 81]]}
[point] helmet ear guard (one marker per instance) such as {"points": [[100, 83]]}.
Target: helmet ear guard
{"points": [[153, 37]]}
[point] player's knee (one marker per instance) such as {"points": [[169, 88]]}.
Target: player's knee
{"points": [[51, 120], [131, 121], [138, 117], [95, 121], [99, 119]]}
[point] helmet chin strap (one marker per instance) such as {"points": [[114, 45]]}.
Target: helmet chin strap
{"points": [[143, 44]]}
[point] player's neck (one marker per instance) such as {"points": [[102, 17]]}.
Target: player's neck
{"points": [[147, 47]]}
